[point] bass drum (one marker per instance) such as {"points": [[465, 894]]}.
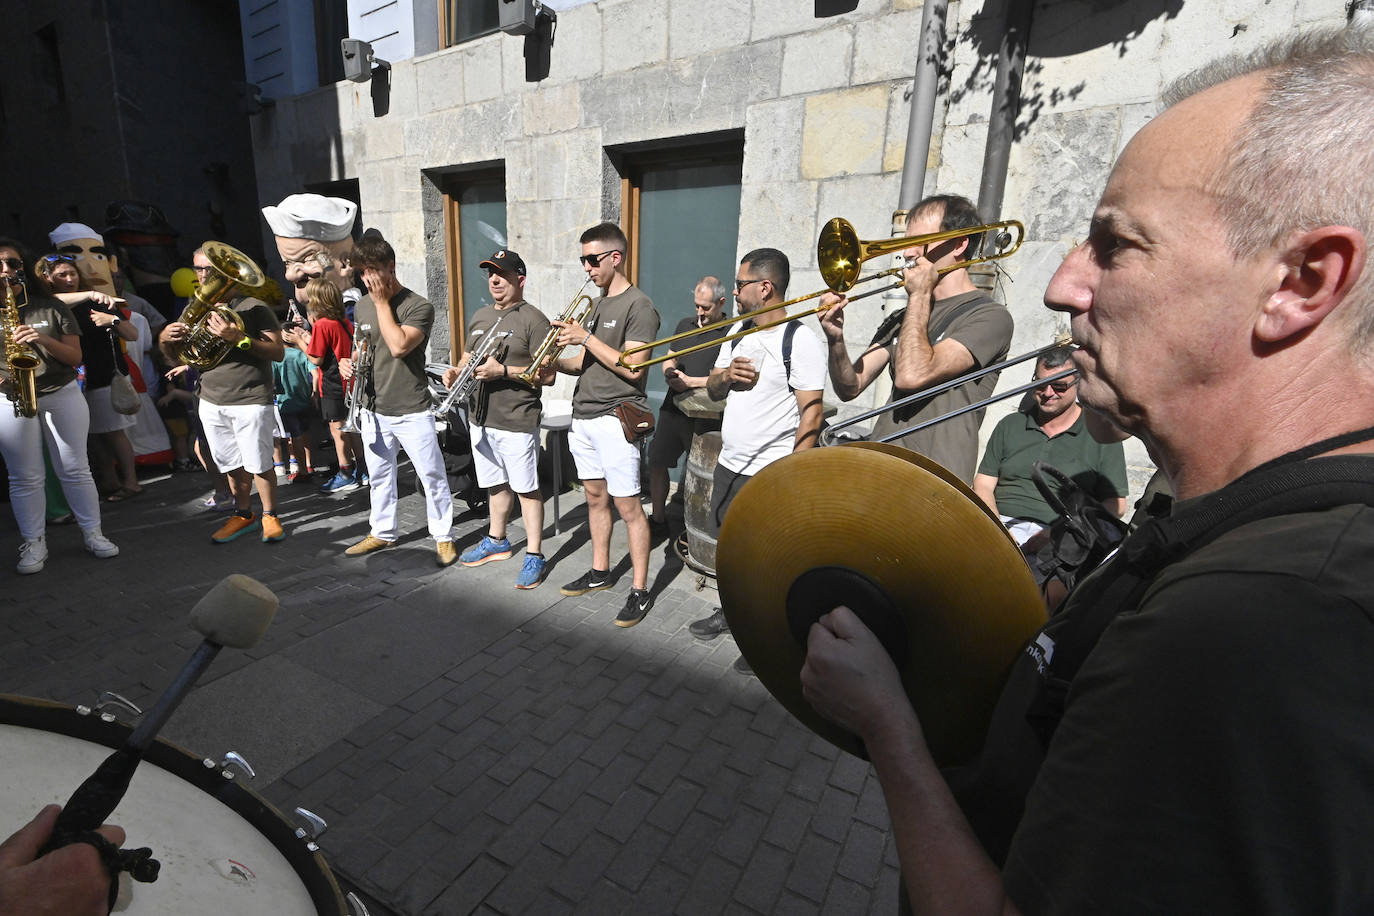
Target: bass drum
{"points": [[223, 848]]}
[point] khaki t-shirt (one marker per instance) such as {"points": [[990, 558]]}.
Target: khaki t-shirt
{"points": [[507, 403], [242, 378], [51, 318], [985, 330], [615, 319], [396, 387]]}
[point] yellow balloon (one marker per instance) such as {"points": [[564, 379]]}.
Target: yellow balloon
{"points": [[183, 282]]}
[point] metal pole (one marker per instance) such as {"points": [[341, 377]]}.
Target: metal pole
{"points": [[929, 58], [1006, 105]]}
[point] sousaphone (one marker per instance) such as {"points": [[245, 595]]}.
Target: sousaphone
{"points": [[911, 550]]}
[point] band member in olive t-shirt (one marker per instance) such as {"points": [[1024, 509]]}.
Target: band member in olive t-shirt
{"points": [[393, 325], [48, 329], [608, 464], [503, 417], [236, 408]]}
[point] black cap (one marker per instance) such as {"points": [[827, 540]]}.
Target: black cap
{"points": [[505, 260]]}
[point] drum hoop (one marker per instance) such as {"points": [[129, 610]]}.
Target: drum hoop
{"points": [[310, 867]]}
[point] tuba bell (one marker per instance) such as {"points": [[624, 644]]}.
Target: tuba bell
{"points": [[234, 273]]}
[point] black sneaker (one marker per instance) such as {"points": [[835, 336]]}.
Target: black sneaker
{"points": [[636, 606], [742, 667], [590, 581], [709, 627]]}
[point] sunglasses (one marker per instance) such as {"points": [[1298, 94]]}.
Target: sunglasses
{"points": [[594, 260], [1059, 387], [51, 259], [741, 284], [12, 263]]}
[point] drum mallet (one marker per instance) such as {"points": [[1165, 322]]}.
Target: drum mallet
{"points": [[235, 613]]}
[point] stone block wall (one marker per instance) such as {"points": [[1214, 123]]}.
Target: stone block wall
{"points": [[823, 106]]}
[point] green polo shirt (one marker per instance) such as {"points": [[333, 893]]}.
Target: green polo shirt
{"points": [[1018, 442]]}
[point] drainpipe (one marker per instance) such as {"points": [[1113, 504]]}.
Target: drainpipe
{"points": [[1006, 105], [929, 57]]}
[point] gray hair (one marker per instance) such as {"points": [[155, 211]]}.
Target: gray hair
{"points": [[717, 286], [1304, 157]]}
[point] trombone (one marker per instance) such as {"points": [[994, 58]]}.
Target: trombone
{"points": [[829, 433], [839, 252]]}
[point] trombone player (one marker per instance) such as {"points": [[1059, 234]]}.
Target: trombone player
{"points": [[948, 328], [504, 419]]}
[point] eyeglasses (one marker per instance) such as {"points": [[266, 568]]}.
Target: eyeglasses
{"points": [[594, 260], [201, 268], [741, 284], [321, 258], [1059, 387], [12, 263]]}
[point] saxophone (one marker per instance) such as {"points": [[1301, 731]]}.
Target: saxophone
{"points": [[23, 362]]}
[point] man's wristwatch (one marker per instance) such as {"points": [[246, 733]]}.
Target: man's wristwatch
{"points": [[115, 323], [244, 343]]}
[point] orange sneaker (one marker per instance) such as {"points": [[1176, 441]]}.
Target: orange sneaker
{"points": [[271, 529], [235, 526]]}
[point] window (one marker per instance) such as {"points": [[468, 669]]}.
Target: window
{"points": [[475, 227], [464, 20], [331, 25], [48, 63]]}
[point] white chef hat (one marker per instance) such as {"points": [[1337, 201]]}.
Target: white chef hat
{"points": [[68, 231], [312, 216]]}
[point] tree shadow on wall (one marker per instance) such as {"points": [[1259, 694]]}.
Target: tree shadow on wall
{"points": [[1058, 28]]}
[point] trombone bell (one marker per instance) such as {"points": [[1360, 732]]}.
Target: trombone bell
{"points": [[840, 251]]}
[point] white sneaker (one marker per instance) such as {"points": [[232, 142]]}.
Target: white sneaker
{"points": [[100, 546], [33, 553]]}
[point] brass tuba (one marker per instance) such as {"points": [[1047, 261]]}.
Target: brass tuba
{"points": [[23, 362], [234, 273]]}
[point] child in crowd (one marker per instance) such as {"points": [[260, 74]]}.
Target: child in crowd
{"points": [[331, 339], [294, 407]]}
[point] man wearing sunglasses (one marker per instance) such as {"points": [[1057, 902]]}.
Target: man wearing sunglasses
{"points": [[1052, 429], [608, 464], [948, 329]]}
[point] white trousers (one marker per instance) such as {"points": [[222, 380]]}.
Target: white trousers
{"points": [[385, 437], [62, 422]]}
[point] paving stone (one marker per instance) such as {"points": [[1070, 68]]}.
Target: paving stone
{"points": [[575, 824], [508, 805], [813, 867], [471, 887], [637, 857], [627, 813], [762, 879]]}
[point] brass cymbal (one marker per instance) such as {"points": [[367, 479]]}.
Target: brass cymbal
{"points": [[905, 545]]}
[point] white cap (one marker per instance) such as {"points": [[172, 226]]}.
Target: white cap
{"points": [[68, 231], [312, 216]]}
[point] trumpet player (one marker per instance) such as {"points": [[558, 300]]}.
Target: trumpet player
{"points": [[393, 325], [947, 329], [504, 415], [607, 463], [56, 412], [236, 412]]}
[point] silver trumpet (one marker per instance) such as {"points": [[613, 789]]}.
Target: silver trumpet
{"points": [[466, 383], [362, 368]]}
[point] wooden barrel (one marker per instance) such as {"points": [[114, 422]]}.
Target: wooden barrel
{"points": [[701, 469]]}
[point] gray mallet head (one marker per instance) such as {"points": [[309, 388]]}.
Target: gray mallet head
{"points": [[236, 612]]}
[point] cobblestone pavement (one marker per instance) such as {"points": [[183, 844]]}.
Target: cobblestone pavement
{"points": [[474, 748]]}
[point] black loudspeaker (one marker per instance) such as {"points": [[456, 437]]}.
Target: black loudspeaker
{"points": [[834, 7]]}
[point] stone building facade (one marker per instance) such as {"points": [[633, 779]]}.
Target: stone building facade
{"points": [[820, 107]]}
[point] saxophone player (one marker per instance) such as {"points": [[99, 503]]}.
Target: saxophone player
{"points": [[505, 414], [42, 327], [393, 325], [236, 398]]}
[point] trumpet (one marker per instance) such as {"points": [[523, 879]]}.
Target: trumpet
{"points": [[548, 350], [839, 252], [362, 367], [467, 380], [829, 433]]}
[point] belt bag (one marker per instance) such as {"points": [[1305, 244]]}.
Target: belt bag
{"points": [[634, 420]]}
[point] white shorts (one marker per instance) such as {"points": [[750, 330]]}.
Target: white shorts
{"points": [[504, 457], [600, 451], [240, 435], [104, 418]]}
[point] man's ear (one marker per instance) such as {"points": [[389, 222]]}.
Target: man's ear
{"points": [[1317, 271]]}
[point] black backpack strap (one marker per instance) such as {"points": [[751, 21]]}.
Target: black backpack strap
{"points": [[787, 335]]}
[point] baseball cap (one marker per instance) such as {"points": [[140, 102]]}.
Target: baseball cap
{"points": [[505, 260]]}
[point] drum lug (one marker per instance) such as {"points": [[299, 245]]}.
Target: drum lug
{"points": [[235, 759], [312, 826], [355, 906], [110, 700]]}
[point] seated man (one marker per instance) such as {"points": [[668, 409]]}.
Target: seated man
{"points": [[1054, 431]]}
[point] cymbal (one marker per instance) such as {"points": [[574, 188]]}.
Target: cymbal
{"points": [[911, 550]]}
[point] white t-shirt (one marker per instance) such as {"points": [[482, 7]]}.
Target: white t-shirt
{"points": [[760, 425]]}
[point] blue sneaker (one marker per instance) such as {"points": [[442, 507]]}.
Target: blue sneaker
{"points": [[362, 478], [532, 573], [339, 483], [486, 550]]}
